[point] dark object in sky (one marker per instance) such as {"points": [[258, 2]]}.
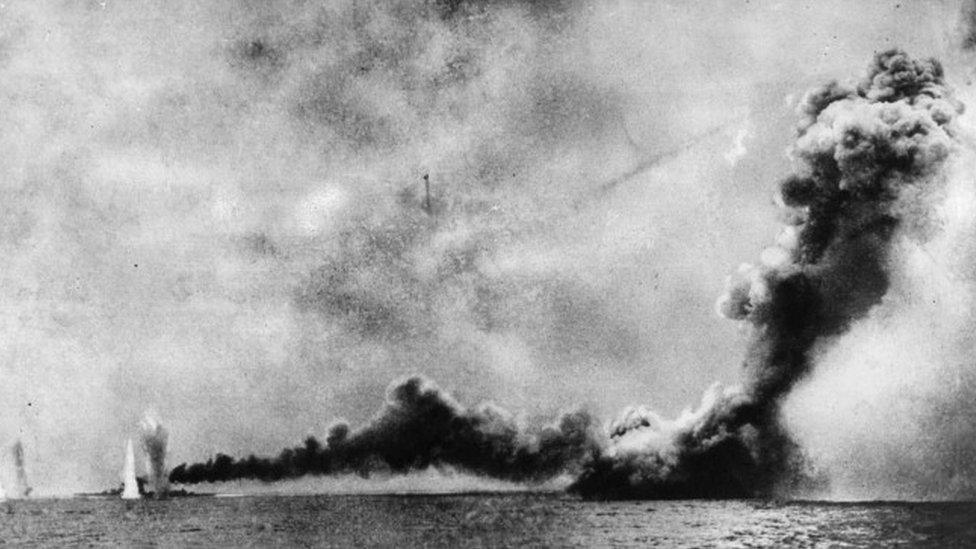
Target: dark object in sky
{"points": [[426, 205]]}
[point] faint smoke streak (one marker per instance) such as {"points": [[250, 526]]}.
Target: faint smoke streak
{"points": [[967, 22]]}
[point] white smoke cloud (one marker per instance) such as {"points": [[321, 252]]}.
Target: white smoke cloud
{"points": [[888, 413], [738, 148]]}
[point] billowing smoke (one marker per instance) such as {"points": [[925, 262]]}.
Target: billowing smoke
{"points": [[237, 204], [866, 158], [421, 426], [868, 161], [155, 438]]}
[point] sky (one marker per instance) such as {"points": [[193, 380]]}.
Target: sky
{"points": [[215, 211]]}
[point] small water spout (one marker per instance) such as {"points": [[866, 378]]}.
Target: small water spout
{"points": [[154, 441], [22, 488]]}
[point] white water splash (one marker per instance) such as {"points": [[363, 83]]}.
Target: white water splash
{"points": [[130, 488]]}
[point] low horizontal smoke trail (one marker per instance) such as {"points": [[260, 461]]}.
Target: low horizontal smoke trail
{"points": [[420, 426], [865, 156]]}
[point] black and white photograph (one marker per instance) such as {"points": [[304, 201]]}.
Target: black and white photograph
{"points": [[487, 273]]}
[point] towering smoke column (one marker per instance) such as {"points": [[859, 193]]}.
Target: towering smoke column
{"points": [[863, 157], [154, 440], [421, 426], [22, 488]]}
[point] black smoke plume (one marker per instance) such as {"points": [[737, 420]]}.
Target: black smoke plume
{"points": [[420, 426], [863, 155]]}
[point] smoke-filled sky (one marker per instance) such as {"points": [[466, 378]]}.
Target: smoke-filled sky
{"points": [[215, 210]]}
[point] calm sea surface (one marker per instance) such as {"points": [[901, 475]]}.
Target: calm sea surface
{"points": [[493, 520]]}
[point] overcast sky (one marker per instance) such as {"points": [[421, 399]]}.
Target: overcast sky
{"points": [[215, 210]]}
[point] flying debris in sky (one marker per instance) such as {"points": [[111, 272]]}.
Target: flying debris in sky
{"points": [[426, 205]]}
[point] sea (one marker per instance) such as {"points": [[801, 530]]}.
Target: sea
{"points": [[478, 520]]}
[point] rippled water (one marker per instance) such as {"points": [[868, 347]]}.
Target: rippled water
{"points": [[492, 520]]}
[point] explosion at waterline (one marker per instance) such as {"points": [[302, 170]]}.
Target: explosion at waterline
{"points": [[228, 157], [155, 439], [867, 160]]}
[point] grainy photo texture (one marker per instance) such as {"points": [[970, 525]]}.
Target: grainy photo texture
{"points": [[493, 273]]}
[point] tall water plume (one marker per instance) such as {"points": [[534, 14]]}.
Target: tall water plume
{"points": [[130, 485]]}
